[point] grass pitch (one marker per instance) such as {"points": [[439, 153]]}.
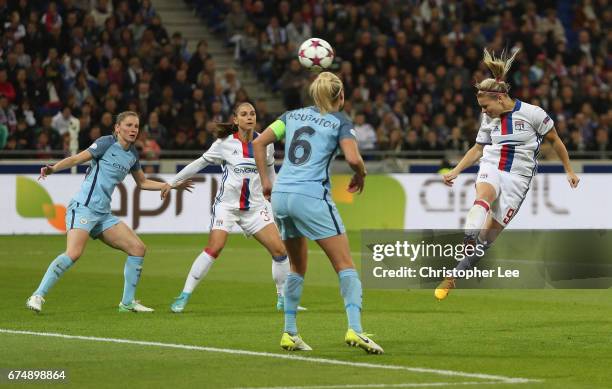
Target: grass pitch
{"points": [[561, 338]]}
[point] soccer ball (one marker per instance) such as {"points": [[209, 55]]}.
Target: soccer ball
{"points": [[316, 54]]}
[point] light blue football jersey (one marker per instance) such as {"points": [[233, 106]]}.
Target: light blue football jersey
{"points": [[109, 166], [311, 143]]}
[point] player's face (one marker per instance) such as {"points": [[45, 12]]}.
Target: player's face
{"points": [[246, 117], [492, 106], [128, 128]]}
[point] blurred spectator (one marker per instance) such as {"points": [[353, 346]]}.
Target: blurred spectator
{"points": [[8, 117], [156, 130], [6, 87], [3, 136], [147, 147], [61, 121], [456, 141], [290, 84], [366, 136]]}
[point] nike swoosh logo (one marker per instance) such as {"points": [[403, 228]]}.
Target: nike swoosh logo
{"points": [[362, 338]]}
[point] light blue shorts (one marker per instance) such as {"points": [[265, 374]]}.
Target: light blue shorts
{"points": [[83, 218], [299, 215]]}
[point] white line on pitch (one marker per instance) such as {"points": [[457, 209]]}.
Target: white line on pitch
{"points": [[405, 385], [451, 373]]}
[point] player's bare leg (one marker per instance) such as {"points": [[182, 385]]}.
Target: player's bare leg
{"points": [[200, 267], [76, 240], [122, 237]]}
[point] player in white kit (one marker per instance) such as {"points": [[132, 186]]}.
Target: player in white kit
{"points": [[239, 201], [507, 145]]}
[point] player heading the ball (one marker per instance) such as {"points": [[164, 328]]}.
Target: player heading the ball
{"points": [[507, 145]]}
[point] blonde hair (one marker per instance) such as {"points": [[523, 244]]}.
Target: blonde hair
{"points": [[124, 115], [499, 67], [325, 91]]}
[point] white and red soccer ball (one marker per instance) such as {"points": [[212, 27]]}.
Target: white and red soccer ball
{"points": [[316, 54]]}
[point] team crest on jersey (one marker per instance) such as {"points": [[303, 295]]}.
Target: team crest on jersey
{"points": [[519, 125], [83, 220], [235, 152]]}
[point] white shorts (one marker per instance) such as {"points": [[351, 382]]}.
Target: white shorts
{"points": [[510, 190], [250, 221]]}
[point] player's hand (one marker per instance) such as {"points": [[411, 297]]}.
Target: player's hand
{"points": [[357, 183], [165, 190], [573, 179], [449, 178], [185, 185], [266, 187], [45, 171]]}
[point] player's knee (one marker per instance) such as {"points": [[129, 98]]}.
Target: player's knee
{"points": [[74, 254], [213, 250], [278, 252], [138, 249]]}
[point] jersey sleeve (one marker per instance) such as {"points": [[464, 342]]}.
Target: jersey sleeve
{"points": [[542, 123], [214, 155], [278, 127], [189, 171], [136, 165], [100, 145], [484, 136], [346, 129]]}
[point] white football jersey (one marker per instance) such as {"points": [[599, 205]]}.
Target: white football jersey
{"points": [[512, 141], [240, 185]]}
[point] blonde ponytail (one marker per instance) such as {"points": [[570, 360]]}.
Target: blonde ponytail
{"points": [[325, 91], [499, 67]]}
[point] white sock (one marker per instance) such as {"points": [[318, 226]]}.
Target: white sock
{"points": [[280, 269], [199, 269], [476, 218]]}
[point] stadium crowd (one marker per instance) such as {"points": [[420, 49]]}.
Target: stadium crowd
{"points": [[90, 60], [408, 68]]}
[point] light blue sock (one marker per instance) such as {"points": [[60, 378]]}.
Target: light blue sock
{"points": [[55, 270], [293, 293], [131, 272], [350, 288]]}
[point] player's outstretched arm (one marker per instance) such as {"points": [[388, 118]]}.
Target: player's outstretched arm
{"points": [[65, 163], [354, 160], [182, 177], [470, 158], [145, 184], [559, 147], [259, 150]]}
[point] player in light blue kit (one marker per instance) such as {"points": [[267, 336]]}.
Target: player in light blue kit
{"points": [[89, 214], [302, 203]]}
